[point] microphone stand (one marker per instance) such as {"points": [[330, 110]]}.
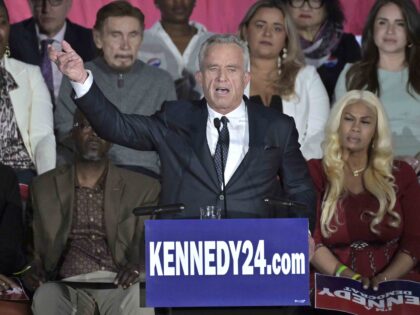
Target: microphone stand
{"points": [[162, 209]]}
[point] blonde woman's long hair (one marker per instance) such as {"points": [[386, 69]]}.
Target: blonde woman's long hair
{"points": [[294, 60], [377, 178]]}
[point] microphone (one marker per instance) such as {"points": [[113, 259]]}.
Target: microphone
{"points": [[163, 209], [217, 124], [284, 203]]}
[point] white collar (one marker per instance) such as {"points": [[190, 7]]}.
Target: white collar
{"points": [[157, 27], [237, 113], [59, 37]]}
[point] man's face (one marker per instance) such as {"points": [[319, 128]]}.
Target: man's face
{"points": [[50, 15], [88, 145], [120, 40], [223, 77], [175, 11]]}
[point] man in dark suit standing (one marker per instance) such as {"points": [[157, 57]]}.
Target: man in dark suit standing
{"points": [[49, 25], [260, 145], [262, 151]]}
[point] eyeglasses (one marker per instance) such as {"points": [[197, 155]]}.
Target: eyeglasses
{"points": [[313, 4], [53, 3], [84, 126]]}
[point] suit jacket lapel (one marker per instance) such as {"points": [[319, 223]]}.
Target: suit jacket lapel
{"points": [[19, 96], [114, 189], [257, 126], [198, 136], [70, 35], [31, 37], [65, 189]]}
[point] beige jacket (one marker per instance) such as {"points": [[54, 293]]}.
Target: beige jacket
{"points": [[53, 201], [34, 113]]}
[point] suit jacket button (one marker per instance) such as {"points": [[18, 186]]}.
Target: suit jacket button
{"points": [[221, 197]]}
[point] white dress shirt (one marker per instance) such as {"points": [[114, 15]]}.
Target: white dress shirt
{"points": [[238, 137], [80, 89]]}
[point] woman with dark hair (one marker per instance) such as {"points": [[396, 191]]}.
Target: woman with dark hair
{"points": [[325, 45], [279, 77], [390, 68]]}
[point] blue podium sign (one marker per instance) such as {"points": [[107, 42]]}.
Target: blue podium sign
{"points": [[234, 262]]}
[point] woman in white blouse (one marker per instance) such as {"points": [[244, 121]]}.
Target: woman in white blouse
{"points": [[279, 77]]}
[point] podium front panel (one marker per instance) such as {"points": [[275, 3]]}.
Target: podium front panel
{"points": [[235, 262]]}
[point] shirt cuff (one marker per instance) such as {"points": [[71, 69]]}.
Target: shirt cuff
{"points": [[82, 88]]}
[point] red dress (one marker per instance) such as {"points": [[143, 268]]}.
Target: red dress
{"points": [[354, 244]]}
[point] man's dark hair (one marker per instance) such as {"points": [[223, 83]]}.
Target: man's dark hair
{"points": [[118, 8]]}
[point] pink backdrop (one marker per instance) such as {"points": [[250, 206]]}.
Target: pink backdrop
{"points": [[218, 15]]}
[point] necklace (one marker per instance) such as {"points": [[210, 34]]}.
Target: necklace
{"points": [[356, 173]]}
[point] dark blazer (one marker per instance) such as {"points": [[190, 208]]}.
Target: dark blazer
{"points": [[24, 44], [53, 201], [11, 223], [347, 51], [178, 134]]}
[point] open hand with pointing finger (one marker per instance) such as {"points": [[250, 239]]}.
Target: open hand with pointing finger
{"points": [[68, 62]]}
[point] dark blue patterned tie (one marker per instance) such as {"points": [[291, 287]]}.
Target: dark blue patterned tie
{"points": [[222, 149], [46, 67]]}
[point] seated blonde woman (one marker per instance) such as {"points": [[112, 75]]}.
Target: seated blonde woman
{"points": [[368, 203]]}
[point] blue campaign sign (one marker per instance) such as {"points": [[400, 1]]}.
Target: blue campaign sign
{"points": [[234, 262]]}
